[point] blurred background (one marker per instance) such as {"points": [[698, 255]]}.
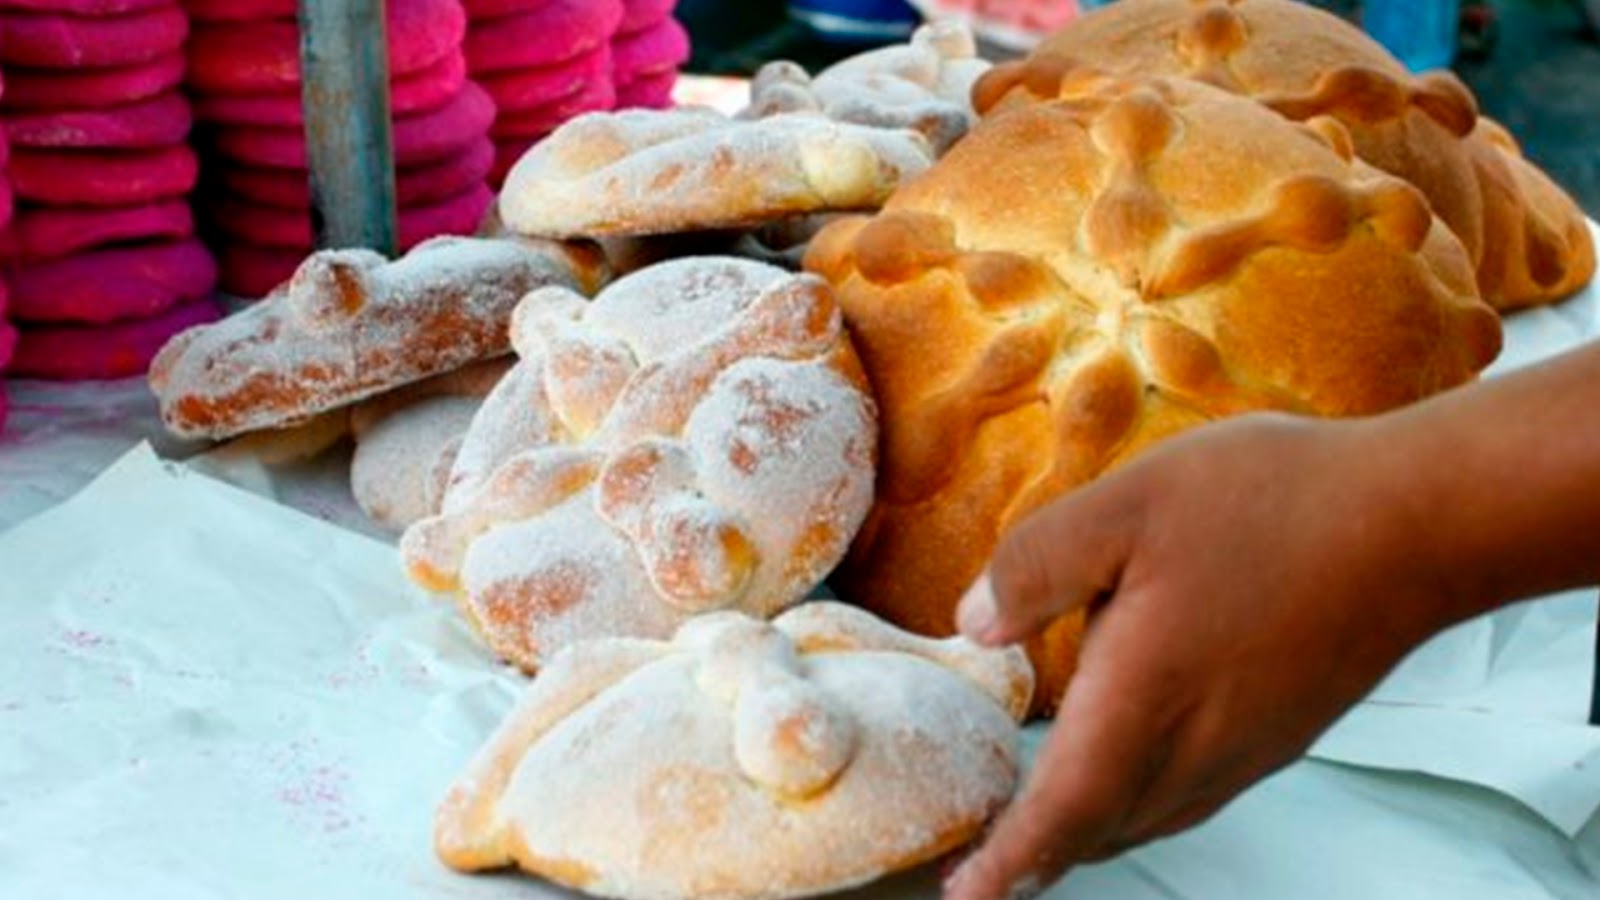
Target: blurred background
{"points": [[1534, 64]]}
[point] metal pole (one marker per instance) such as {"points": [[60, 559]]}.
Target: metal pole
{"points": [[1594, 696], [345, 77]]}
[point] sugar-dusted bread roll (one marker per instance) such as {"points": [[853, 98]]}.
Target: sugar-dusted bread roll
{"points": [[350, 325], [407, 440], [1079, 279], [924, 85], [698, 438], [744, 760], [1527, 239], [645, 171]]}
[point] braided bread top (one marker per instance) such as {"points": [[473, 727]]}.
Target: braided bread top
{"points": [[744, 759]]}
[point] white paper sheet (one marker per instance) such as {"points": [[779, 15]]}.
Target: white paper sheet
{"points": [[205, 694]]}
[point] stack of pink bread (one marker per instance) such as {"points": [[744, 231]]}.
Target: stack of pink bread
{"points": [[244, 71], [8, 335], [646, 52], [543, 62], [101, 261]]}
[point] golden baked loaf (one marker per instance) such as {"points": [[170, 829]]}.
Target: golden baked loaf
{"points": [[1527, 239], [744, 760], [698, 438], [1080, 278]]}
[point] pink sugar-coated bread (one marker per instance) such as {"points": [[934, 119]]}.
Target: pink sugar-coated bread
{"points": [[595, 96], [245, 270], [42, 233], [660, 48], [267, 226], [117, 350], [54, 41], [490, 9], [422, 138], [103, 178], [83, 7], [414, 185], [264, 56], [637, 15], [240, 10], [649, 92], [420, 92], [8, 204], [546, 34], [8, 342], [102, 286], [542, 85], [97, 88], [157, 122]]}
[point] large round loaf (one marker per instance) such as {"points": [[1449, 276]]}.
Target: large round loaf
{"points": [[1081, 278], [1527, 238]]}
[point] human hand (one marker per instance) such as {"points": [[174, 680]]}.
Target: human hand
{"points": [[1250, 582]]}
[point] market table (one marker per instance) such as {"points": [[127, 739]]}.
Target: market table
{"points": [[207, 691]]}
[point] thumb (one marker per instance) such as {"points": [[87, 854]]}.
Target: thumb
{"points": [[1059, 559]]}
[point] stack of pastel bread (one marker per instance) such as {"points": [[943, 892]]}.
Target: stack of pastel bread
{"points": [[672, 449], [8, 334], [543, 62], [646, 52], [244, 71], [101, 261]]}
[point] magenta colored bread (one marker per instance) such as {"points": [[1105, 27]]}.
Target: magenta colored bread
{"points": [[553, 31], [43, 233], [157, 122], [83, 7], [252, 272], [267, 226], [489, 9], [658, 49], [542, 85], [595, 96], [108, 285], [53, 41], [62, 89], [414, 185], [240, 10], [637, 15], [649, 92], [8, 203], [103, 178], [119, 350], [423, 138], [264, 56], [423, 91]]}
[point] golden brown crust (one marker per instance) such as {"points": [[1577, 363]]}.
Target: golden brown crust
{"points": [[1178, 255], [1309, 65]]}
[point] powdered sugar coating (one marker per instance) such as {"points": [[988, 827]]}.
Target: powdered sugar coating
{"points": [[925, 85], [398, 458], [811, 754], [709, 416], [642, 171], [350, 325]]}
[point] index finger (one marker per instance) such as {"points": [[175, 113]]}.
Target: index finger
{"points": [[1102, 753]]}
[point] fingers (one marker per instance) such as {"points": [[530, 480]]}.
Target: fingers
{"points": [[1101, 753], [1057, 560]]}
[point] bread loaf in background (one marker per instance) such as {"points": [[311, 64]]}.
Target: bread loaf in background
{"points": [[1083, 277], [1526, 238]]}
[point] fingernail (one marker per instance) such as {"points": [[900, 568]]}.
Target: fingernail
{"points": [[977, 615]]}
